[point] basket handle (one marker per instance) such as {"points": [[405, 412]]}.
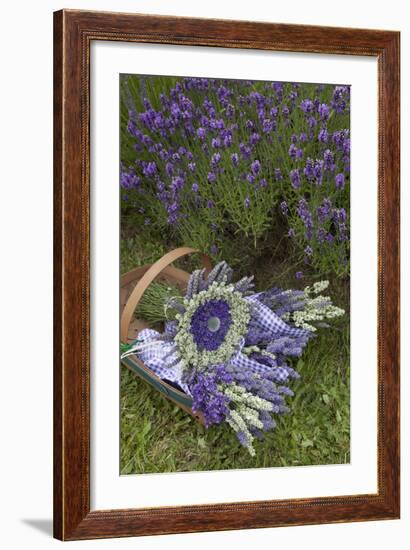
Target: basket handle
{"points": [[153, 272]]}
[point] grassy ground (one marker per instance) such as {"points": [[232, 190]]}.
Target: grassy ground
{"points": [[156, 436]]}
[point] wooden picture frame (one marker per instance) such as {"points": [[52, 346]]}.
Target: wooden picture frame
{"points": [[74, 32]]}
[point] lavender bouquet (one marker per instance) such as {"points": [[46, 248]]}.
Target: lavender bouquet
{"points": [[229, 348]]}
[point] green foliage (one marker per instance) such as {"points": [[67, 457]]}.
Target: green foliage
{"points": [[135, 251]]}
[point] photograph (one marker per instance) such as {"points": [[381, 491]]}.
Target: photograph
{"points": [[237, 356], [212, 235]]}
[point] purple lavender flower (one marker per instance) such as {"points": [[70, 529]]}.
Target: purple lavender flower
{"points": [[340, 216], [235, 159], [207, 399], [292, 151], [324, 111], [211, 177], [201, 133], [312, 122], [230, 111], [295, 178], [318, 171], [323, 135], [164, 154], [195, 187], [340, 96], [245, 151], [149, 169], [268, 125], [249, 125], [340, 181], [129, 180], [339, 138], [216, 157], [247, 202], [210, 203], [243, 440], [172, 210], [307, 106], [321, 235], [324, 211], [169, 168], [306, 216], [210, 324], [328, 157], [227, 139], [256, 167], [177, 183], [278, 174], [299, 274], [255, 138], [308, 169]]}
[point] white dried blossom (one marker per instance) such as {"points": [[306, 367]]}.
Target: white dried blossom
{"points": [[320, 286], [238, 425], [316, 307], [251, 349], [250, 416], [240, 315], [239, 395]]}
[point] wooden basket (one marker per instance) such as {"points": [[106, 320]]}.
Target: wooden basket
{"points": [[133, 285]]}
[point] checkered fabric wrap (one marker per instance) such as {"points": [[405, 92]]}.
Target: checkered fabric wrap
{"points": [[158, 356], [243, 362], [161, 357], [268, 321]]}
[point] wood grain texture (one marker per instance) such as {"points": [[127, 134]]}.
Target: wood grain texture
{"points": [[73, 33]]}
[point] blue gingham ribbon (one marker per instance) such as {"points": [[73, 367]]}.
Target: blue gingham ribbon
{"points": [[161, 357]]}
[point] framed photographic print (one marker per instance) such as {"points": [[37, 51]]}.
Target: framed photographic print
{"points": [[226, 284]]}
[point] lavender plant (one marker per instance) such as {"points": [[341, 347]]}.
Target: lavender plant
{"points": [[216, 163]]}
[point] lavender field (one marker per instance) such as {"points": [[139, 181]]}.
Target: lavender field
{"points": [[256, 174]]}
